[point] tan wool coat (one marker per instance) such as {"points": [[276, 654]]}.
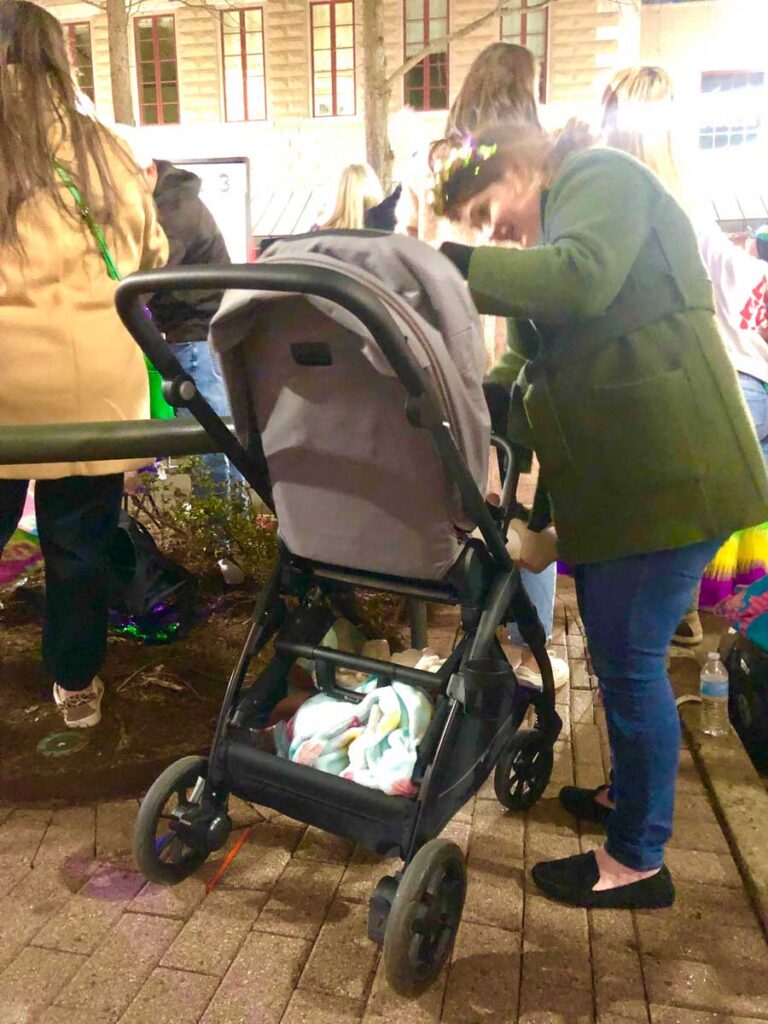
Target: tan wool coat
{"points": [[65, 356]]}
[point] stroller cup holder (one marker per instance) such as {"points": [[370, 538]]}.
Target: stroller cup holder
{"points": [[483, 685]]}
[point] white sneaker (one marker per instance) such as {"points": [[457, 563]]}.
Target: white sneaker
{"points": [[81, 708], [560, 672]]}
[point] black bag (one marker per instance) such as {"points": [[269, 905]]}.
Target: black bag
{"points": [[150, 595], [747, 666]]}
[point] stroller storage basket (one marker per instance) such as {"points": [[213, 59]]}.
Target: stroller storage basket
{"points": [[323, 321], [368, 816]]}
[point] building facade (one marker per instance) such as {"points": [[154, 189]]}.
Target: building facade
{"points": [[280, 82]]}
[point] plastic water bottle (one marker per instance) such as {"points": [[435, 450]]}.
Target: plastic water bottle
{"points": [[714, 697]]}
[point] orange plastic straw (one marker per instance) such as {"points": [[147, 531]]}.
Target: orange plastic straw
{"points": [[221, 869]]}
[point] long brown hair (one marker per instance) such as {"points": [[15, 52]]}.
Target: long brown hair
{"points": [[637, 119], [38, 104], [498, 89], [525, 150]]}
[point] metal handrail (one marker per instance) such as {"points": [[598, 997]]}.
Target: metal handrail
{"points": [[93, 442]]}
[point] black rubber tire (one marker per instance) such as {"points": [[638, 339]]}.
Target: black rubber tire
{"points": [[417, 943], [523, 771], [178, 778]]}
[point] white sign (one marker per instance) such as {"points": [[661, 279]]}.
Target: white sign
{"points": [[225, 191]]}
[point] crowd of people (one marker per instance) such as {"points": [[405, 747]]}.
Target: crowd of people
{"points": [[641, 389]]}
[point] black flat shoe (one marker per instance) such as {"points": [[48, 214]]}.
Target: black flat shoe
{"points": [[581, 804], [571, 880]]}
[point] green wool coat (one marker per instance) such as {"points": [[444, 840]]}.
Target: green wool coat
{"points": [[630, 400]]}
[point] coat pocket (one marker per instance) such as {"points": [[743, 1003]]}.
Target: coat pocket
{"points": [[645, 438], [548, 436]]}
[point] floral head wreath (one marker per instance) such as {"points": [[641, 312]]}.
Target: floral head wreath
{"points": [[459, 165]]}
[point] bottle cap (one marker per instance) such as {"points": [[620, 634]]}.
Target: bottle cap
{"points": [[713, 656]]}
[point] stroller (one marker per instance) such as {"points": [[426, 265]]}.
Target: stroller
{"points": [[354, 362]]}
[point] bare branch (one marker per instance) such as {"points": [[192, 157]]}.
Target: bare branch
{"points": [[503, 7], [438, 45]]}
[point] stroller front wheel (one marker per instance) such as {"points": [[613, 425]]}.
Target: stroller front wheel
{"points": [[170, 837], [425, 915], [524, 769]]}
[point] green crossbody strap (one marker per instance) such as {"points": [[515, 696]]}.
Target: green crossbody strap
{"points": [[90, 223], [159, 408]]}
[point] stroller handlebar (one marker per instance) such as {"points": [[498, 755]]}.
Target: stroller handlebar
{"points": [[321, 282]]}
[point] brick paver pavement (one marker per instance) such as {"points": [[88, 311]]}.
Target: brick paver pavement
{"points": [[282, 938]]}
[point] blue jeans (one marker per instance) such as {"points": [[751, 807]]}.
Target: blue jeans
{"points": [[757, 400], [540, 587], [630, 608], [199, 361]]}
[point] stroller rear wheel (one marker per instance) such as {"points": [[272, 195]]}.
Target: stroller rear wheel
{"points": [[172, 835], [425, 916], [524, 769]]}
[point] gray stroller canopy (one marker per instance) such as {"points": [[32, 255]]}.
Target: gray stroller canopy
{"points": [[354, 483]]}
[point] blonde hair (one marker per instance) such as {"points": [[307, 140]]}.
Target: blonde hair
{"points": [[637, 119], [359, 191]]}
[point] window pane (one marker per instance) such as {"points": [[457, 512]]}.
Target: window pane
{"points": [[253, 21], [345, 60], [146, 50], [415, 77], [170, 94], [148, 94], [511, 27], [438, 28], [321, 14], [232, 44], [438, 9], [149, 115], [233, 87], [171, 114], [536, 21], [165, 28], [414, 9], [230, 21], [344, 36], [344, 14], [323, 60], [414, 34], [322, 39], [345, 94]]}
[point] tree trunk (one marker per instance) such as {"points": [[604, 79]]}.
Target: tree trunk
{"points": [[377, 91], [119, 61]]}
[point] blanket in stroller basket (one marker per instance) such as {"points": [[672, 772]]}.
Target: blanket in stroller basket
{"points": [[374, 743]]}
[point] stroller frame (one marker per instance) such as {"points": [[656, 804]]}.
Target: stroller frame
{"points": [[415, 913]]}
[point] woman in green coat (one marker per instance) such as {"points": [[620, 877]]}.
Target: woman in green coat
{"points": [[645, 445]]}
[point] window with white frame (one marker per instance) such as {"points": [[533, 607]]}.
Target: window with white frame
{"points": [[733, 105]]}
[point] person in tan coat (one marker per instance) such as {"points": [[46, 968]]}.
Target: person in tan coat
{"points": [[65, 355]]}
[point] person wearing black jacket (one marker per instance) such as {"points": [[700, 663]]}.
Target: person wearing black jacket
{"points": [[185, 317]]}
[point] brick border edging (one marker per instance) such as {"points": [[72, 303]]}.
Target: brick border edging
{"points": [[740, 800]]}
